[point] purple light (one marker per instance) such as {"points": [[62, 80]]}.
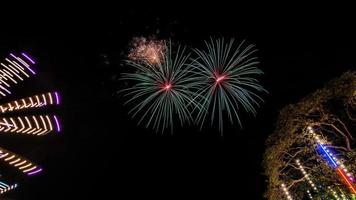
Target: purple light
{"points": [[12, 55], [57, 97], [5, 89], [28, 58], [57, 123], [34, 172], [33, 72]]}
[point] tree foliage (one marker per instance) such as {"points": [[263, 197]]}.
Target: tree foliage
{"points": [[331, 112]]}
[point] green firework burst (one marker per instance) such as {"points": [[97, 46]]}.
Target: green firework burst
{"points": [[225, 74], [161, 91]]}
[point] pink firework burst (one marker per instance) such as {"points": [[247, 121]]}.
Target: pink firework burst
{"points": [[147, 50]]}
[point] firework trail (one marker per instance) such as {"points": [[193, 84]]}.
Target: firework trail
{"points": [[161, 89], [14, 70], [225, 73]]}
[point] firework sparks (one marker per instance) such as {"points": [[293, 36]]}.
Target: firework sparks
{"points": [[161, 91], [144, 50], [225, 80]]}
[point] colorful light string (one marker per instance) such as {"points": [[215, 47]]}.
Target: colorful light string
{"points": [[36, 101], [6, 188], [13, 70], [333, 161], [19, 162]]}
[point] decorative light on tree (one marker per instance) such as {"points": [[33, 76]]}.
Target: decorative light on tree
{"points": [[14, 70], [286, 192], [343, 196], [334, 193], [330, 113], [306, 175], [333, 161], [309, 194]]}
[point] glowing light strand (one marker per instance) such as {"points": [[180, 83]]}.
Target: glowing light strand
{"points": [[334, 193], [335, 163], [306, 175], [35, 101], [309, 194], [13, 70], [286, 192], [20, 163], [4, 188], [30, 125]]}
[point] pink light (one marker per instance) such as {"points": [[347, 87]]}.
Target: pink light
{"points": [[57, 97], [28, 58], [57, 123], [220, 78], [5, 89], [35, 172], [12, 55], [168, 86]]}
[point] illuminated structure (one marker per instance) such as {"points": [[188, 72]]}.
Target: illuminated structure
{"points": [[333, 161], [6, 188], [14, 70]]}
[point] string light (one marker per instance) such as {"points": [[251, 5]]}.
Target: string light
{"points": [[13, 70], [30, 125], [334, 162], [306, 175], [333, 192], [309, 195], [36, 101], [6, 188], [343, 196], [20, 163], [286, 192]]}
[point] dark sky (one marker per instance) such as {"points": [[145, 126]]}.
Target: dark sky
{"points": [[103, 152]]}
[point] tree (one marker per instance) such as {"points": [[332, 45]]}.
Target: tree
{"points": [[331, 113]]}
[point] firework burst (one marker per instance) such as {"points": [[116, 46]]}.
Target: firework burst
{"points": [[144, 50], [161, 89], [225, 74]]}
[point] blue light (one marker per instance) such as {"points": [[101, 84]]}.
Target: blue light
{"points": [[333, 162], [4, 184]]}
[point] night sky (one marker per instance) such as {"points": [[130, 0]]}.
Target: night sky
{"points": [[103, 152]]}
